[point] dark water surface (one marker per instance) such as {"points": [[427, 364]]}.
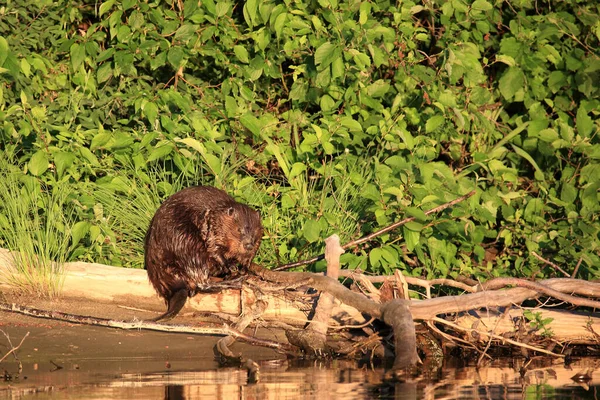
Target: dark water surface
{"points": [[190, 379], [68, 361]]}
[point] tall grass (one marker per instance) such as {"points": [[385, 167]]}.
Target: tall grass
{"points": [[35, 225]]}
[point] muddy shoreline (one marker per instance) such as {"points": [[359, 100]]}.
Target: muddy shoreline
{"points": [[59, 356]]}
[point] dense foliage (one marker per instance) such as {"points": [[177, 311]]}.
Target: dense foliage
{"points": [[329, 116]]}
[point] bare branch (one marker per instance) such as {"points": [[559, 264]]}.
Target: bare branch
{"points": [[536, 255], [501, 338], [13, 349]]}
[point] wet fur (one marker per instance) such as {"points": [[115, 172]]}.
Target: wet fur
{"points": [[196, 234]]}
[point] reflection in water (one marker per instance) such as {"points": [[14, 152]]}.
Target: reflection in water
{"points": [[174, 392], [336, 380]]}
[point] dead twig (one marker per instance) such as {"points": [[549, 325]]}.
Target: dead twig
{"points": [[550, 263], [574, 274], [13, 349], [498, 337]]}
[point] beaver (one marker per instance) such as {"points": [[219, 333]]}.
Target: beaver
{"points": [[197, 234]]}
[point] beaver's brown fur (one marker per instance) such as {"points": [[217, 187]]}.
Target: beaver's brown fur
{"points": [[196, 234]]}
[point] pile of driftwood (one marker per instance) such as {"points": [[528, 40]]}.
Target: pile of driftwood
{"points": [[484, 317], [374, 315]]}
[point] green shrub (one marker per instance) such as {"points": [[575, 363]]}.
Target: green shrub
{"points": [[328, 116]]}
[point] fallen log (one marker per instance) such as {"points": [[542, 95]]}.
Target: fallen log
{"points": [[475, 317]]}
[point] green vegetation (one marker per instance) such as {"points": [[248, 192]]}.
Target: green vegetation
{"points": [[537, 322], [329, 116], [37, 222]]}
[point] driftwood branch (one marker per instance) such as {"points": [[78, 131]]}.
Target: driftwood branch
{"points": [[380, 232], [424, 310], [395, 313], [543, 289], [314, 337], [153, 326]]}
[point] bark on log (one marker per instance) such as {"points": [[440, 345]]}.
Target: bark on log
{"points": [[128, 286]]}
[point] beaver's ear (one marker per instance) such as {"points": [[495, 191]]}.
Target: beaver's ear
{"points": [[230, 211]]}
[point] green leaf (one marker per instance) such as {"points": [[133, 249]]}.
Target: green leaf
{"points": [[231, 106], [150, 110], [175, 56], [411, 238], [77, 55], [351, 124], [100, 140], [214, 163], [104, 7], [3, 50], [251, 123], [241, 53], [186, 32], [121, 140], [481, 5], [127, 4], [434, 123], [584, 123], [297, 169], [160, 152], [23, 97], [539, 173], [210, 6], [568, 193], [510, 82], [89, 156], [78, 231], [508, 60], [104, 72], [222, 8], [63, 161], [378, 88], [416, 212], [326, 103], [38, 164], [250, 12], [311, 231], [279, 24], [547, 135], [325, 55], [556, 81], [414, 226], [211, 161], [375, 257], [194, 144], [364, 12], [533, 209], [25, 67]]}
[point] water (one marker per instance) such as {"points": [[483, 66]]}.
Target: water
{"points": [[189, 378], [67, 361]]}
